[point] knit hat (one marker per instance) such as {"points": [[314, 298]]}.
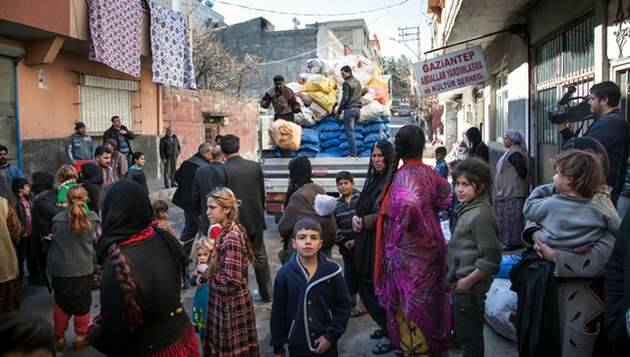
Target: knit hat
{"points": [[308, 224]]}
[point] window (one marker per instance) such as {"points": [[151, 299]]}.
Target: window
{"points": [[102, 98], [501, 103]]}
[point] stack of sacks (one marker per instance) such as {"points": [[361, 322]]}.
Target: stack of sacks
{"points": [[309, 146], [331, 136], [322, 91], [371, 132]]}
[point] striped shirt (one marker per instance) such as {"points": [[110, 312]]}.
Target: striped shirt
{"points": [[343, 215]]}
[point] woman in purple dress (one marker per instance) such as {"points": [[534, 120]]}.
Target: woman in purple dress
{"points": [[410, 261]]}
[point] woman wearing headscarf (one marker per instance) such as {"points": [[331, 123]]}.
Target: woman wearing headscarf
{"points": [[141, 312], [410, 259], [364, 223], [300, 203], [91, 178], [511, 189], [476, 147]]}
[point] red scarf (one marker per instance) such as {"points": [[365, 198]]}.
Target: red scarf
{"points": [[135, 238], [379, 249]]}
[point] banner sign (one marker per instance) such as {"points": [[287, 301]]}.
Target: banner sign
{"points": [[451, 71]]}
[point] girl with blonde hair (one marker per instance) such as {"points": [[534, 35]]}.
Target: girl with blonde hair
{"points": [[231, 322]]}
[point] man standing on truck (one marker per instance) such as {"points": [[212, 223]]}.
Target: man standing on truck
{"points": [[283, 100], [350, 105]]}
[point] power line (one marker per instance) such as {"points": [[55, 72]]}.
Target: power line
{"points": [[312, 14]]}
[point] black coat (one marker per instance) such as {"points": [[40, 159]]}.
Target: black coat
{"points": [[617, 298], [245, 179], [537, 320], [206, 180], [184, 178], [44, 210], [169, 149], [159, 280], [112, 133]]}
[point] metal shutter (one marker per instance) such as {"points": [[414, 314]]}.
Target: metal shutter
{"points": [[102, 98]]}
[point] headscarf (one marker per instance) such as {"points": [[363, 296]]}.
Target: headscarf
{"points": [[300, 173], [91, 174], [126, 211], [375, 181], [517, 139]]}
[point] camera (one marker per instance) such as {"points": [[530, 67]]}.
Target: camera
{"points": [[565, 112]]}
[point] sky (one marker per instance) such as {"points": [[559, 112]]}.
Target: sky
{"points": [[383, 23]]}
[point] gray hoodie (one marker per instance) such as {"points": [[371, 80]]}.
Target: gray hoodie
{"points": [[567, 222], [79, 147]]}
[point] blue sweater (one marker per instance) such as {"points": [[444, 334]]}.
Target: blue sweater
{"points": [[303, 309]]}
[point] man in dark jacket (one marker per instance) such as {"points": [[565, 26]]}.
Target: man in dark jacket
{"points": [[44, 210], [350, 105], [245, 179], [122, 135], [80, 148], [610, 129], [169, 151], [283, 100], [183, 196], [206, 180]]}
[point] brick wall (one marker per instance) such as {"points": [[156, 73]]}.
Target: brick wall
{"points": [[182, 111]]}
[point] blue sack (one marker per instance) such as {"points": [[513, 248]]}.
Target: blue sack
{"points": [[365, 153], [310, 136], [372, 138], [344, 145], [329, 123], [507, 263], [334, 152], [309, 147], [374, 128], [329, 135], [307, 153], [330, 143]]}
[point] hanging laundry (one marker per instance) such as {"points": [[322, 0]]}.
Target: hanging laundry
{"points": [[170, 48], [115, 30]]}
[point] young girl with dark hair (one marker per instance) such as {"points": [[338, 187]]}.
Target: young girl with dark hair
{"points": [[141, 311], [71, 264], [231, 323], [410, 258]]}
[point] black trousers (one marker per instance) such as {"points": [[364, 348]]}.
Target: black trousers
{"points": [[191, 228], [376, 312], [467, 311], [29, 250], [349, 274], [169, 166], [261, 268]]}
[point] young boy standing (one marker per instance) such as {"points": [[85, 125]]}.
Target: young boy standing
{"points": [[345, 210], [473, 253], [441, 167], [23, 208], [311, 306]]}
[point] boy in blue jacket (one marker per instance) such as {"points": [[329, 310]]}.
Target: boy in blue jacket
{"points": [[311, 305]]}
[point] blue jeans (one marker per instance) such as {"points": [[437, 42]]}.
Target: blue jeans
{"points": [[350, 117]]}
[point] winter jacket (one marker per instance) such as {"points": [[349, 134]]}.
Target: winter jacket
{"points": [[245, 179], [169, 147], [70, 254], [351, 97], [184, 178], [112, 133], [611, 131], [136, 173], [617, 299], [537, 317], [206, 180], [474, 243], [283, 102], [44, 210], [79, 147], [304, 309]]}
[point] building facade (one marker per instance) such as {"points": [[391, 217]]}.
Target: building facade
{"points": [[539, 49]]}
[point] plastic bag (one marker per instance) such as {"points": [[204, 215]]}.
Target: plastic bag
{"points": [[379, 87], [326, 101], [325, 205], [501, 304], [305, 98], [310, 136], [318, 111], [507, 263], [319, 83], [286, 135], [372, 111], [295, 87]]}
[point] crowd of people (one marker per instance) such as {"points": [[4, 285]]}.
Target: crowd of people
{"points": [[425, 293]]}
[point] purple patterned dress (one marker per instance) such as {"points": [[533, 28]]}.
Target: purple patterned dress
{"points": [[413, 282]]}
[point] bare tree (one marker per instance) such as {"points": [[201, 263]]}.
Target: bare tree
{"points": [[215, 67]]}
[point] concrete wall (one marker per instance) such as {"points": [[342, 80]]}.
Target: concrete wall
{"points": [[182, 110], [50, 15], [291, 48]]}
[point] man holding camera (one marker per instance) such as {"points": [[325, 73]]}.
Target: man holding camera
{"points": [[610, 129]]}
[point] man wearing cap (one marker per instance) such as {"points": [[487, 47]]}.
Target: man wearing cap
{"points": [[80, 148], [283, 100]]}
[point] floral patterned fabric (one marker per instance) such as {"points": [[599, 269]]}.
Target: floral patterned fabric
{"points": [[170, 48], [115, 27]]}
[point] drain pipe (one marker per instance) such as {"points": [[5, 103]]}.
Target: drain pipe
{"points": [[17, 116]]}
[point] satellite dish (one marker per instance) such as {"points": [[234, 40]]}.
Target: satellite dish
{"points": [[296, 22]]}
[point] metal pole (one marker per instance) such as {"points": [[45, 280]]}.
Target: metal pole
{"points": [[466, 41]]}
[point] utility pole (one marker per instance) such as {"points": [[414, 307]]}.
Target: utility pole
{"points": [[407, 34]]}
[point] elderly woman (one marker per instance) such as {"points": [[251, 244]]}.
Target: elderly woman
{"points": [[511, 189]]}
